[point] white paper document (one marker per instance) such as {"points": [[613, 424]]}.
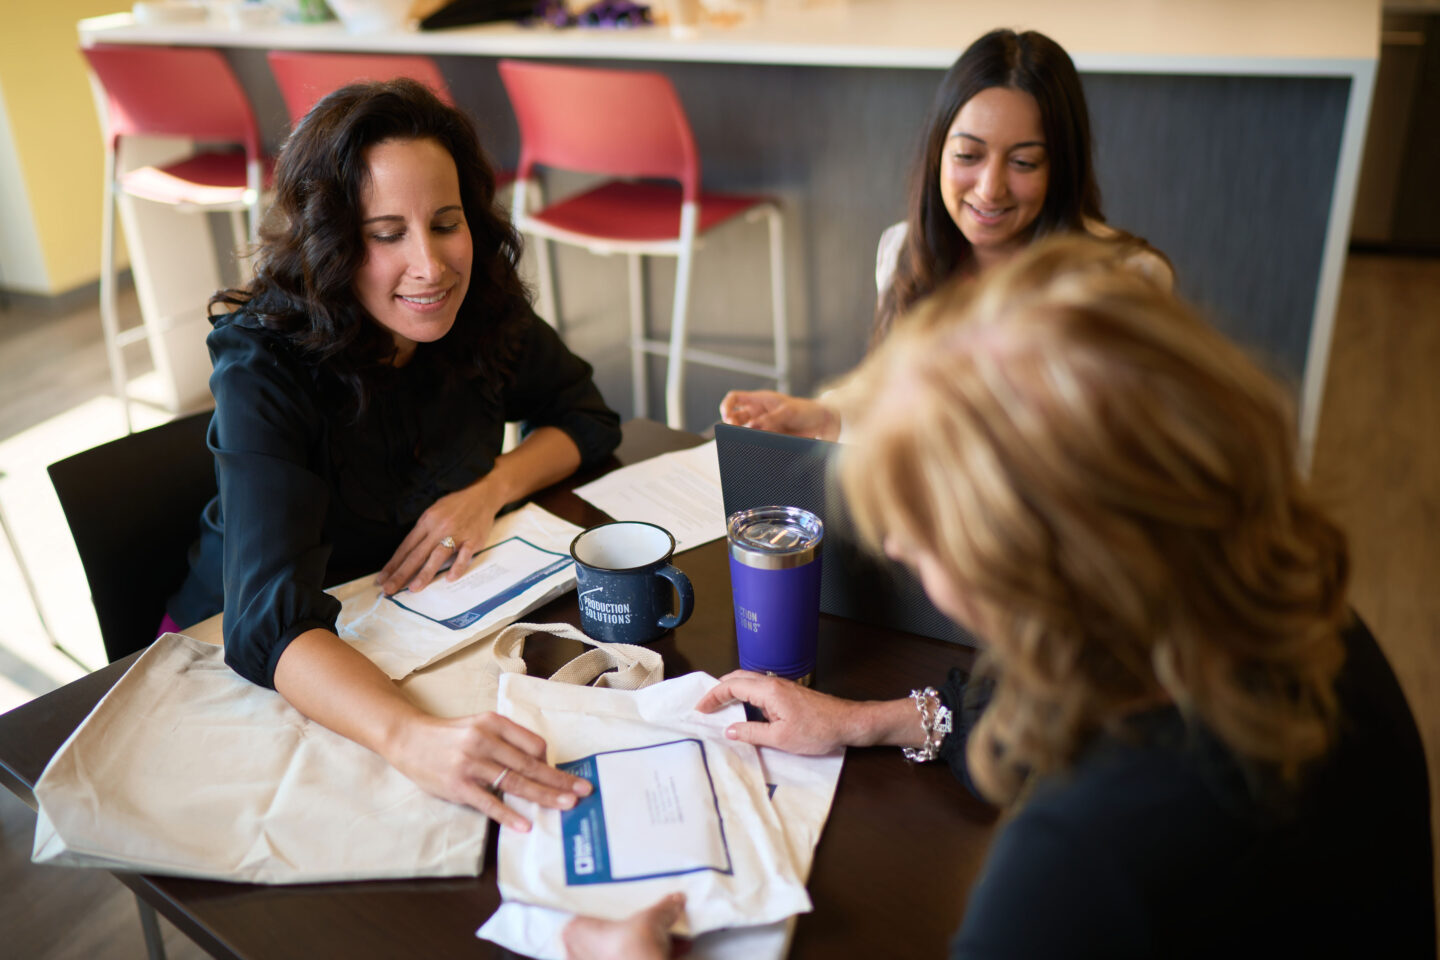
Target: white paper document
{"points": [[526, 564], [679, 491]]}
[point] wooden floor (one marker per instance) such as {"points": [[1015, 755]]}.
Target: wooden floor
{"points": [[1377, 462]]}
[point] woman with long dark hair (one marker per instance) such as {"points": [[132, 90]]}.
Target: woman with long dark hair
{"points": [[1006, 159], [362, 383]]}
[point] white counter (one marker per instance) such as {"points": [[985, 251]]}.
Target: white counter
{"points": [[1230, 68], [1228, 37]]}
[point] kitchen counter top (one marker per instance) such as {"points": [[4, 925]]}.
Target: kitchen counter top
{"points": [[1180, 91], [1224, 37]]}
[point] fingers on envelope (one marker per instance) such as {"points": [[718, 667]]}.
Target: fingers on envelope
{"points": [[532, 780], [461, 563]]}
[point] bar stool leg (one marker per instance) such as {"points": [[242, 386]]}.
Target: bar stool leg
{"points": [[777, 300], [254, 187], [675, 372], [545, 279], [521, 193], [240, 239], [639, 361], [150, 924], [109, 311]]}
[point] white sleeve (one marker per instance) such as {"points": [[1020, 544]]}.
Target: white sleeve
{"points": [[887, 256]]}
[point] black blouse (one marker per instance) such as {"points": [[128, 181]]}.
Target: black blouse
{"points": [[1162, 845], [310, 498]]}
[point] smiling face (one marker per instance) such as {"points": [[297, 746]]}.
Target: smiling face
{"points": [[417, 243], [994, 172]]}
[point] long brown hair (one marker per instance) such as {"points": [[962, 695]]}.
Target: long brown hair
{"points": [[312, 246], [1031, 62], [1112, 488]]}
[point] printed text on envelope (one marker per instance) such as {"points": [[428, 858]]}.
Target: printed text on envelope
{"points": [[653, 813]]}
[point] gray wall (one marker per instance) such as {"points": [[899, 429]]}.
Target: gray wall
{"points": [[1230, 176]]}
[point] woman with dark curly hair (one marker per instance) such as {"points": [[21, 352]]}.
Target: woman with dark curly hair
{"points": [[1006, 158], [362, 383]]}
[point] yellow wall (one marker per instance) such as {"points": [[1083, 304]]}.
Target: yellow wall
{"points": [[57, 134]]}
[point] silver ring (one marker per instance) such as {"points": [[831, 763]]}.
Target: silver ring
{"points": [[495, 784], [448, 543]]}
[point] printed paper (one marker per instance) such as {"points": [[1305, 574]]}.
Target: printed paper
{"points": [[679, 491], [653, 813], [498, 574]]}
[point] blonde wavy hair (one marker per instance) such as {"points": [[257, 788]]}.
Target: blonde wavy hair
{"points": [[1110, 487]]}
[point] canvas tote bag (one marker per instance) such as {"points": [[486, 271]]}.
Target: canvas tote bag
{"points": [[803, 791], [676, 807], [187, 769]]}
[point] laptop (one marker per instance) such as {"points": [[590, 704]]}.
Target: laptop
{"points": [[759, 469]]}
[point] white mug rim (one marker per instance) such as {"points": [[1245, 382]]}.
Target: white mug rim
{"points": [[661, 561]]}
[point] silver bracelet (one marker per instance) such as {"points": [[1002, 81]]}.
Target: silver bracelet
{"points": [[936, 721]]}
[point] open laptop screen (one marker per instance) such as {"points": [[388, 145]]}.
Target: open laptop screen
{"points": [[759, 469]]}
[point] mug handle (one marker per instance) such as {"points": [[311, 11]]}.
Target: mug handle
{"points": [[683, 590]]}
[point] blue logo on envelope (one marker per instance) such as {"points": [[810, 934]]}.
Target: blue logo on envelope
{"points": [[652, 812]]}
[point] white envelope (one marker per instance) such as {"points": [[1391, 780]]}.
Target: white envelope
{"points": [[409, 631]]}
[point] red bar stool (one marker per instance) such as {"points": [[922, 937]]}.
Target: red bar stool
{"points": [[628, 124], [304, 77], [173, 92]]}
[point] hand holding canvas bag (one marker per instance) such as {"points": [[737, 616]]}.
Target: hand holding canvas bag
{"points": [[187, 769]]}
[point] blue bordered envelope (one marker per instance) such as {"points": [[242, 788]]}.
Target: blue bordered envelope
{"points": [[675, 806], [525, 564], [500, 573], [653, 813]]}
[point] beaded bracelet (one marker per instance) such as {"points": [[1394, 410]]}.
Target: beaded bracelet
{"points": [[936, 721]]}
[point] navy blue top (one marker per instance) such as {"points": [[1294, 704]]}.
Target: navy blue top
{"points": [[309, 499], [1157, 846]]}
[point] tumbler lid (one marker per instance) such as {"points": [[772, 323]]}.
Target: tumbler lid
{"points": [[774, 537]]}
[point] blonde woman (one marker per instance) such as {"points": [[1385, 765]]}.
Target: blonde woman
{"points": [[1202, 752]]}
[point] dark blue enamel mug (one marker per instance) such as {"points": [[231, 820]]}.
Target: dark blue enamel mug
{"points": [[623, 576]]}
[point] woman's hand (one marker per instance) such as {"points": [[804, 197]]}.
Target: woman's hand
{"points": [[780, 413], [465, 516], [808, 722], [644, 936], [800, 720], [461, 759]]}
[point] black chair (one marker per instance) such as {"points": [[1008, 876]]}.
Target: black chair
{"points": [[133, 506]]}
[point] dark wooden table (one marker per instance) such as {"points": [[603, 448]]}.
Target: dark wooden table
{"points": [[899, 852]]}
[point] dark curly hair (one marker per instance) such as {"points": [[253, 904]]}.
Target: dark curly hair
{"points": [[1031, 62], [311, 244]]}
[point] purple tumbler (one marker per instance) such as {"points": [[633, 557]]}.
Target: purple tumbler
{"points": [[775, 581]]}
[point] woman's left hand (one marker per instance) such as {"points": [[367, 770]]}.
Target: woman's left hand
{"points": [[466, 516]]}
